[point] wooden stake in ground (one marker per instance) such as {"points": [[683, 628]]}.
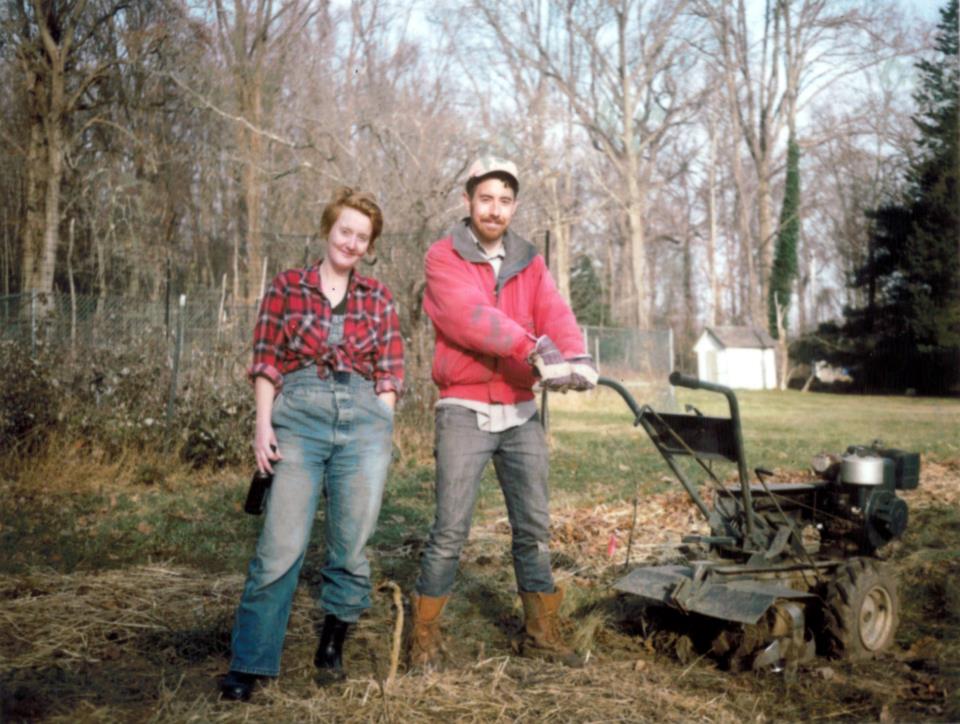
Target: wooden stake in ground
{"points": [[397, 633]]}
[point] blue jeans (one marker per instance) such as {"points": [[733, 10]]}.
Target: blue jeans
{"points": [[520, 459], [335, 438]]}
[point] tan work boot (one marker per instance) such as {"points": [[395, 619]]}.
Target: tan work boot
{"points": [[541, 632], [425, 646]]}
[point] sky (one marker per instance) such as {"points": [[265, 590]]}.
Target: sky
{"points": [[928, 10]]}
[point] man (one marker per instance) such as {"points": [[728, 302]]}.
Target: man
{"points": [[501, 326]]}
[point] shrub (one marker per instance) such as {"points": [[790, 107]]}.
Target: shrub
{"points": [[117, 396], [29, 399], [216, 422]]}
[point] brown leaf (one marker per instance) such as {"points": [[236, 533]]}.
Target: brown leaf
{"points": [[923, 648]]}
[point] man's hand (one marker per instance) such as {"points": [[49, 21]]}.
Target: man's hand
{"points": [[583, 373], [553, 369], [557, 374]]}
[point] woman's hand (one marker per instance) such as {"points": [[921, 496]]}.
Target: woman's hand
{"points": [[388, 398], [265, 447]]}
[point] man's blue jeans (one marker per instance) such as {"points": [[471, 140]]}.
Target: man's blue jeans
{"points": [[521, 461], [335, 438]]}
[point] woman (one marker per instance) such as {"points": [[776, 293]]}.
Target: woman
{"points": [[327, 369]]}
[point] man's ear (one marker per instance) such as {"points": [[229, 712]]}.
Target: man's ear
{"points": [[466, 201]]}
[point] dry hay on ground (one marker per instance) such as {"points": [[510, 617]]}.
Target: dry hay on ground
{"points": [[939, 485], [49, 618], [147, 642]]}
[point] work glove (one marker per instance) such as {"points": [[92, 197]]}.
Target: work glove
{"points": [[583, 373], [553, 369]]}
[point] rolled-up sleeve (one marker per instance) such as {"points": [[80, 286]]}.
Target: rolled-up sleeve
{"points": [[268, 335], [388, 369]]}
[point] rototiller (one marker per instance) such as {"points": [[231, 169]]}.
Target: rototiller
{"points": [[794, 563]]}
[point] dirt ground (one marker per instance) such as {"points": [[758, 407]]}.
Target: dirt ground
{"points": [[147, 643]]}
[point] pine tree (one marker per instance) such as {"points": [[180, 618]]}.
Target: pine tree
{"points": [[785, 255], [908, 334], [586, 293]]}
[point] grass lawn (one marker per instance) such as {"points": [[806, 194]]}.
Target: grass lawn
{"points": [[597, 452]]}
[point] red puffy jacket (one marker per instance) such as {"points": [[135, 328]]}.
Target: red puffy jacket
{"points": [[486, 328]]}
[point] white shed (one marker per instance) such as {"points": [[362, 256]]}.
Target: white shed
{"points": [[739, 357]]}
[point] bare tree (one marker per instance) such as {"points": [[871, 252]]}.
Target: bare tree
{"points": [[621, 67], [249, 32], [805, 47], [850, 153], [59, 69]]}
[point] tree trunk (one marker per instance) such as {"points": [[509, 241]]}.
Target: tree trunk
{"points": [[73, 290], [42, 233], [638, 254], [46, 77], [765, 233], [622, 274], [32, 240], [713, 315], [251, 187], [559, 240], [803, 289], [783, 350], [748, 296], [51, 226], [99, 243], [690, 295]]}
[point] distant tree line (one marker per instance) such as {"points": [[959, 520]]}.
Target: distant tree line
{"points": [[905, 333], [694, 161]]}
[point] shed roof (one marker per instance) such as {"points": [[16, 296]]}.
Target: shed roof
{"points": [[743, 337]]}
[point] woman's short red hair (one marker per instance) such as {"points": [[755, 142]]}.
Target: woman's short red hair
{"points": [[346, 197]]}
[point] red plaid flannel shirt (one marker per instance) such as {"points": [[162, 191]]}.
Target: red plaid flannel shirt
{"points": [[294, 322]]}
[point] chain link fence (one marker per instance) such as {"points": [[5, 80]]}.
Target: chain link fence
{"points": [[63, 323], [641, 360], [196, 327]]}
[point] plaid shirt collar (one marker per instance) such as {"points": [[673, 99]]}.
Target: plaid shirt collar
{"points": [[311, 278]]}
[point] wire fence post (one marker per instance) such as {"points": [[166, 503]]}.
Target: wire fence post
{"points": [[33, 322], [177, 346], [166, 303]]}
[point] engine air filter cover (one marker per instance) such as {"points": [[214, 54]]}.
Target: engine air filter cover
{"points": [[861, 470]]}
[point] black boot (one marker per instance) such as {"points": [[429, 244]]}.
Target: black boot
{"points": [[329, 658], [238, 685]]}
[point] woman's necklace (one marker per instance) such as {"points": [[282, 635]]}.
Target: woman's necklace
{"points": [[330, 285]]}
